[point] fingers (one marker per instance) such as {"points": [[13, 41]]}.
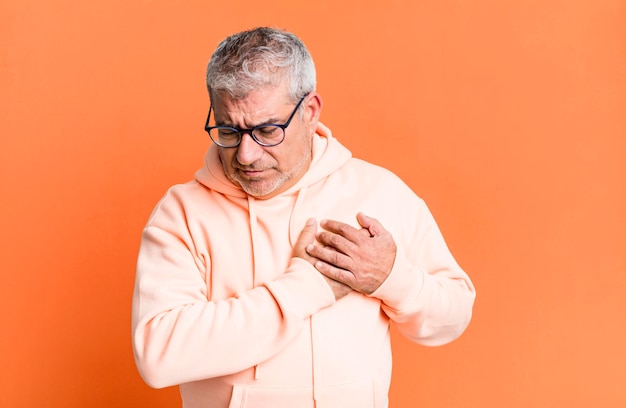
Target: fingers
{"points": [[336, 230], [332, 272], [331, 255], [360, 257], [305, 247]]}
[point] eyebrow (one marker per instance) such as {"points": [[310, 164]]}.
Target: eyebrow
{"points": [[270, 121]]}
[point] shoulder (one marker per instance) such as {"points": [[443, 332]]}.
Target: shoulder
{"points": [[376, 177], [365, 166], [181, 193], [178, 201]]}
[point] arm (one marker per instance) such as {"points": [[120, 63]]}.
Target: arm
{"points": [[427, 294], [420, 285], [179, 336]]}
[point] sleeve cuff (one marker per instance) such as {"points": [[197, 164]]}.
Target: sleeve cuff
{"points": [[402, 286], [301, 289]]}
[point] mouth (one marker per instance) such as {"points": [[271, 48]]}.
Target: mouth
{"points": [[251, 173]]}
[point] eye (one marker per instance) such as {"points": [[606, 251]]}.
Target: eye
{"points": [[228, 133], [269, 132]]}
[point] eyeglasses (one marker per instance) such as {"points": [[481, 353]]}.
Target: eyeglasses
{"points": [[267, 135]]}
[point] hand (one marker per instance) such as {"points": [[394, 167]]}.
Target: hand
{"points": [[307, 238], [360, 258]]}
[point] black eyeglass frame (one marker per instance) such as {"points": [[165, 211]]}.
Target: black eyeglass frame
{"points": [[250, 131]]}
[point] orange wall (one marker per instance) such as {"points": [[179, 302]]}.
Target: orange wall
{"points": [[508, 117]]}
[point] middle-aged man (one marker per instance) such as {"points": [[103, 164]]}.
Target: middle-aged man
{"points": [[272, 278]]}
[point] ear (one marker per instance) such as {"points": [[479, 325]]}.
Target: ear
{"points": [[312, 110]]}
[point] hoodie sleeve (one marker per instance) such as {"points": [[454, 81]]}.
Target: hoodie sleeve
{"points": [[180, 336], [427, 294]]}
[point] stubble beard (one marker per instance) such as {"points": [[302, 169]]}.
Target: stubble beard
{"points": [[264, 187]]}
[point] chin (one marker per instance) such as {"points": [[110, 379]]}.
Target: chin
{"points": [[265, 189]]}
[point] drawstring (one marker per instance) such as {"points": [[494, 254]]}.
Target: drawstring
{"points": [[294, 223], [253, 232], [295, 226], [313, 362]]}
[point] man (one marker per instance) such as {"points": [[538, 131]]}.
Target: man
{"points": [[271, 279]]}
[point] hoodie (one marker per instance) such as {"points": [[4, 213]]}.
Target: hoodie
{"points": [[222, 309]]}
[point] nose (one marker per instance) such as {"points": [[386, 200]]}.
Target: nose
{"points": [[248, 150]]}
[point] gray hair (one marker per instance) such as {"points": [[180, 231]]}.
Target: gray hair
{"points": [[262, 56]]}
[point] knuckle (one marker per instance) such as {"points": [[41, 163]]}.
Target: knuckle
{"points": [[335, 240], [323, 237], [343, 229]]}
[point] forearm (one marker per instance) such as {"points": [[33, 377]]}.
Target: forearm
{"points": [[427, 293], [179, 335], [430, 307], [205, 339]]}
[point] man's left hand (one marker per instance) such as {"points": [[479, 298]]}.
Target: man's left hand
{"points": [[360, 258]]}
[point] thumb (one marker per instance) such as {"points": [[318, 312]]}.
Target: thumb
{"points": [[370, 224], [307, 235]]}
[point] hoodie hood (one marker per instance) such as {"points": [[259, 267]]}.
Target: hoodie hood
{"points": [[328, 156]]}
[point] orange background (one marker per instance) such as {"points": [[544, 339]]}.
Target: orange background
{"points": [[507, 117]]}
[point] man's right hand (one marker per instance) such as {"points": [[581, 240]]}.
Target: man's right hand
{"points": [[306, 238]]}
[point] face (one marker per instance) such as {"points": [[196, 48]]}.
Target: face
{"points": [[264, 172]]}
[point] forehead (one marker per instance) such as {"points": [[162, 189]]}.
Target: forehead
{"points": [[262, 105]]}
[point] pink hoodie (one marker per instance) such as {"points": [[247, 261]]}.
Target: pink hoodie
{"points": [[221, 308]]}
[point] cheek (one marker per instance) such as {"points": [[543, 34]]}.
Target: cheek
{"points": [[288, 157], [297, 154], [226, 157]]}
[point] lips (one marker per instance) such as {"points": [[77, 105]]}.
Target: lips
{"points": [[251, 172]]}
